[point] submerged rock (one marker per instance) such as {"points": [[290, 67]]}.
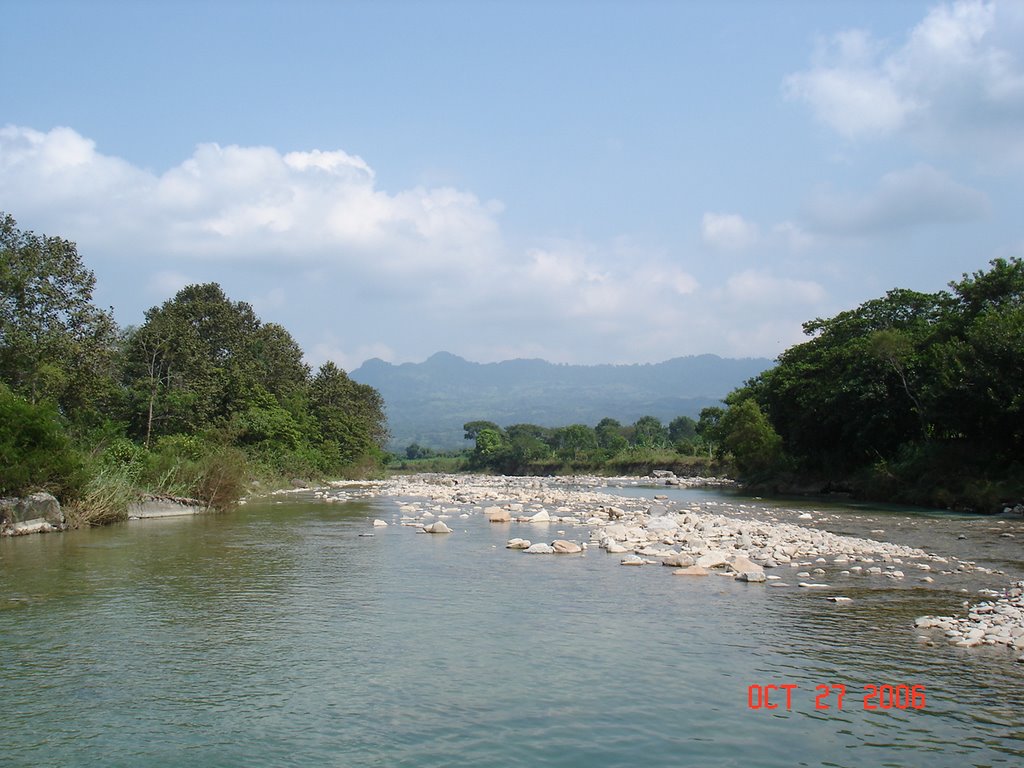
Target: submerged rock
{"points": [[497, 515], [693, 570]]}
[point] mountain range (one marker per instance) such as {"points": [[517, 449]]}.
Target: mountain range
{"points": [[427, 403]]}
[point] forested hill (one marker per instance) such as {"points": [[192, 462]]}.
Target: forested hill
{"points": [[428, 402]]}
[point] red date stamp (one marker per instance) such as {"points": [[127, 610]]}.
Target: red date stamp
{"points": [[875, 697]]}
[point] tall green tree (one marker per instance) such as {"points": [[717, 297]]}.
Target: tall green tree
{"points": [[574, 442], [750, 438], [649, 432], [55, 344], [610, 437], [853, 393], [350, 415], [197, 359]]}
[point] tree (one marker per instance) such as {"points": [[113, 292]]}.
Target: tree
{"points": [[54, 343], [574, 442], [854, 392], [756, 447], [681, 428], [488, 444], [35, 452], [526, 443], [417, 451], [709, 427], [474, 428], [197, 359], [350, 415], [609, 436], [648, 432]]}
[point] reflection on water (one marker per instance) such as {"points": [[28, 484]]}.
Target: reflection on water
{"points": [[276, 635]]}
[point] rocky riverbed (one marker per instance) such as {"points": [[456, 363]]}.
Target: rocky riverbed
{"points": [[761, 545]]}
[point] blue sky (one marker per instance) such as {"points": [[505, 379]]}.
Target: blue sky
{"points": [[580, 181]]}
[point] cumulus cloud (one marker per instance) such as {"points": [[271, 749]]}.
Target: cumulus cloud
{"points": [[728, 231], [356, 271], [902, 200], [956, 82], [245, 202], [603, 285]]}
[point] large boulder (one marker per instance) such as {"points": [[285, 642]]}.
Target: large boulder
{"points": [[740, 565], [40, 506], [679, 560], [540, 548], [438, 527], [714, 559], [563, 547]]}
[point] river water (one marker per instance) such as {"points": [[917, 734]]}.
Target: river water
{"points": [[281, 635]]}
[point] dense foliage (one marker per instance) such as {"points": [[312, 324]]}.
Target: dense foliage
{"points": [[193, 401], [609, 447], [911, 396]]}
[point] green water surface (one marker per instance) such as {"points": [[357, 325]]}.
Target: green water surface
{"points": [[277, 635]]}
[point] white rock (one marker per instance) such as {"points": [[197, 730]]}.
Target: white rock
{"points": [[540, 548]]}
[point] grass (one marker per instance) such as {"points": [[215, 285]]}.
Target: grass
{"points": [[104, 498]]}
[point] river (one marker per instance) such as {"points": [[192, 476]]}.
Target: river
{"points": [[281, 634]]}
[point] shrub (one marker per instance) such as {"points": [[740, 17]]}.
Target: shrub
{"points": [[35, 453], [104, 498]]}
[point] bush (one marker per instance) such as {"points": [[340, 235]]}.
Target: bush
{"points": [[105, 497], [220, 478], [123, 455], [186, 465], [35, 453]]}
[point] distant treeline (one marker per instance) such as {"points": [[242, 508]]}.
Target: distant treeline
{"points": [[194, 401], [913, 397], [608, 447]]}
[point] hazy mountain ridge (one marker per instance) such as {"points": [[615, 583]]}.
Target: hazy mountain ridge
{"points": [[428, 402]]}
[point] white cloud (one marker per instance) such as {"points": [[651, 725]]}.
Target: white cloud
{"points": [[312, 241], [616, 284], [245, 202], [760, 288], [728, 231], [902, 200], [794, 237], [955, 83], [849, 90]]}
